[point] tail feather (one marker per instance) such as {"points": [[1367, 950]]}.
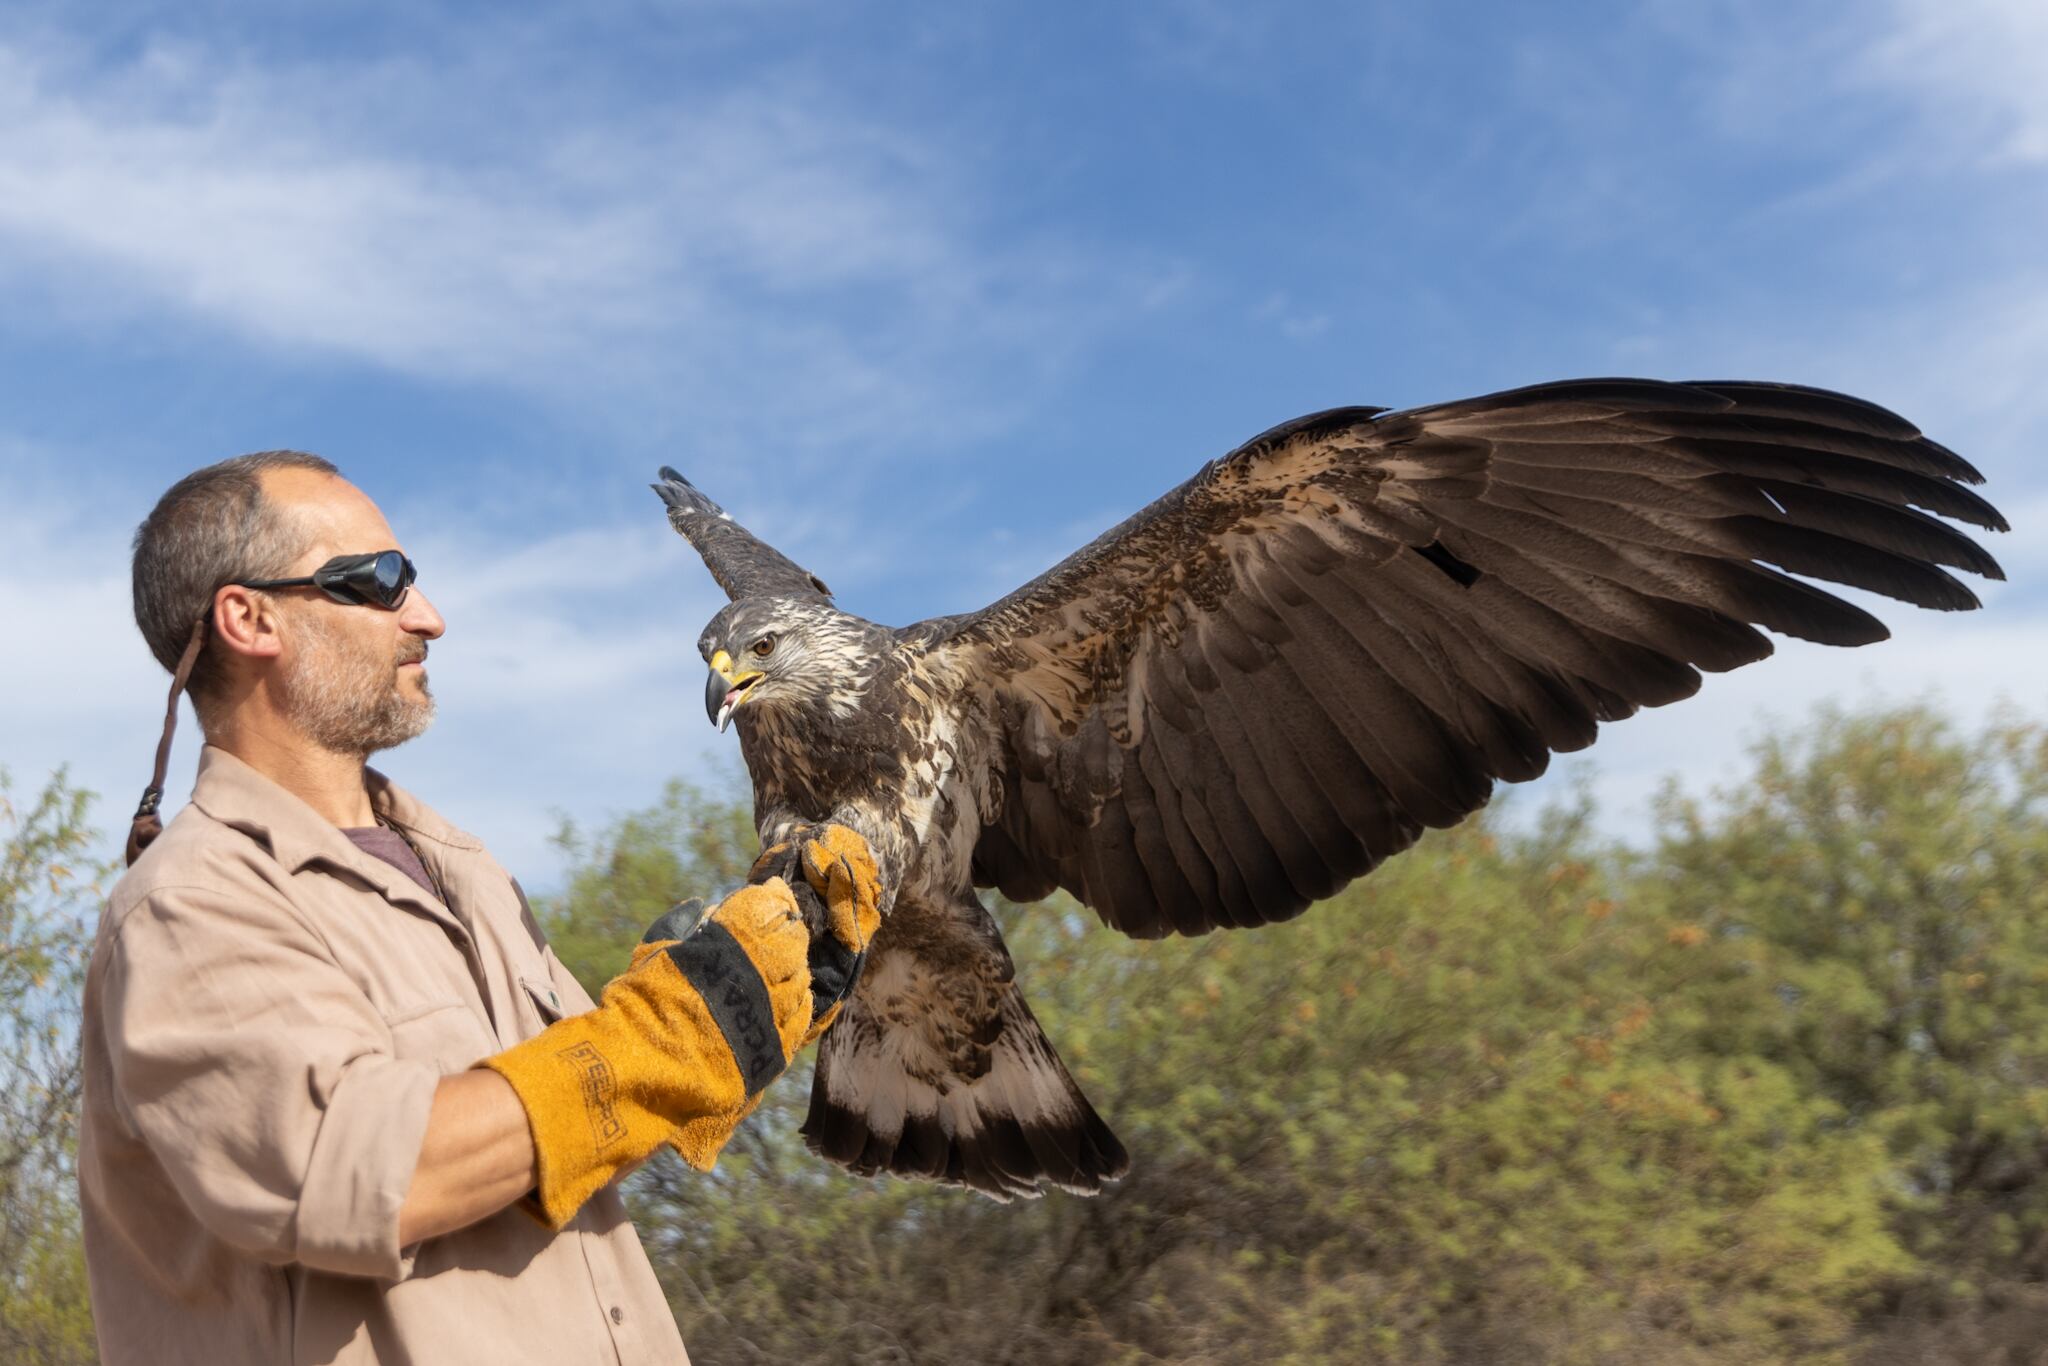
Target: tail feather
{"points": [[883, 1101]]}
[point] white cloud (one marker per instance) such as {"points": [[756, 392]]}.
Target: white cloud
{"points": [[702, 254], [1976, 65], [1292, 322], [1967, 73], [77, 685], [201, 185]]}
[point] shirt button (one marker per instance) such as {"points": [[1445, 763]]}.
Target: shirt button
{"points": [[618, 1314]]}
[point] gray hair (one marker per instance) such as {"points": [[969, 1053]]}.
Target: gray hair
{"points": [[213, 527]]}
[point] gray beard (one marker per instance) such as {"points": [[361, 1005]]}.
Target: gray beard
{"points": [[350, 704]]}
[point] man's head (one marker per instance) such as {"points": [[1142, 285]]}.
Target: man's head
{"points": [[346, 678]]}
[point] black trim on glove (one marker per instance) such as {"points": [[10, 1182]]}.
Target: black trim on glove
{"points": [[712, 961]]}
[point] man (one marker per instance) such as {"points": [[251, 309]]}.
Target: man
{"points": [[342, 1104]]}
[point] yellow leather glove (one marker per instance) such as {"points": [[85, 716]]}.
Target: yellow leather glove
{"points": [[677, 1050], [843, 914]]}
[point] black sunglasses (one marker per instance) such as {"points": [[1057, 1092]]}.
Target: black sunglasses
{"points": [[378, 579]]}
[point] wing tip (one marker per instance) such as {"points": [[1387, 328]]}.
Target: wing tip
{"points": [[683, 497]]}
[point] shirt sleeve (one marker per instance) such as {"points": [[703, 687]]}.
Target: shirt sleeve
{"points": [[262, 1078]]}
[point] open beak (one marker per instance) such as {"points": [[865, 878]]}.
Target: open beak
{"points": [[724, 691]]}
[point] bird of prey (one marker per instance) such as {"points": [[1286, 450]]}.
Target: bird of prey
{"points": [[1340, 634]]}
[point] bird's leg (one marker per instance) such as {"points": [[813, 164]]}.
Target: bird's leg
{"points": [[784, 859], [780, 856], [886, 843]]}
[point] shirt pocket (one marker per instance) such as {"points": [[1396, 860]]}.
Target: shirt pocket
{"points": [[448, 1035], [575, 1000], [543, 999]]}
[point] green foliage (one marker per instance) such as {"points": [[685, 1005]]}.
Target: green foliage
{"points": [[1881, 882], [47, 887], [1771, 1091], [687, 844]]}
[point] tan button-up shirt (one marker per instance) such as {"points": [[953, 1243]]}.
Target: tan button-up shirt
{"points": [[267, 1013]]}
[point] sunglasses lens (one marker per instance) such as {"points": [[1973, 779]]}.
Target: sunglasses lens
{"points": [[390, 575]]}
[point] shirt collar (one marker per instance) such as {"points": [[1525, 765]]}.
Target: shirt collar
{"points": [[397, 807], [238, 796]]}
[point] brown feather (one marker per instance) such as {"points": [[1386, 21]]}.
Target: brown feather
{"points": [[1352, 626]]}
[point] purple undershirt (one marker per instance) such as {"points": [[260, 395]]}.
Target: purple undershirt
{"points": [[389, 845]]}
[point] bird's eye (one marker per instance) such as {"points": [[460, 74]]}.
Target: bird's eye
{"points": [[763, 647]]}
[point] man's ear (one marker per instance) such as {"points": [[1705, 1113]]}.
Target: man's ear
{"points": [[245, 623]]}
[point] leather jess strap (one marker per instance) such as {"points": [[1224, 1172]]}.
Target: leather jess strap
{"points": [[147, 825]]}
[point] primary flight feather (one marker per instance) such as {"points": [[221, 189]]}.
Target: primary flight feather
{"points": [[1340, 634]]}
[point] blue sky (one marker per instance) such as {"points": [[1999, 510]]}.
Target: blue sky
{"points": [[931, 295]]}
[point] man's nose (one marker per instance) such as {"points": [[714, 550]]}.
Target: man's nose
{"points": [[419, 616]]}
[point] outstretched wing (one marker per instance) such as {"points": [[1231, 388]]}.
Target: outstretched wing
{"points": [[1345, 631], [744, 566]]}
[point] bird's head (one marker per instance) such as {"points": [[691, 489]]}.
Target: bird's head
{"points": [[786, 654]]}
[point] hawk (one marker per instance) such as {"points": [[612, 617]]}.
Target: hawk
{"points": [[1337, 636]]}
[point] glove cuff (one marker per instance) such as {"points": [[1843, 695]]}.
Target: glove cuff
{"points": [[719, 967], [584, 1124], [671, 1055]]}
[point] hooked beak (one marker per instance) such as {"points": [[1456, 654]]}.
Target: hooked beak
{"points": [[723, 691]]}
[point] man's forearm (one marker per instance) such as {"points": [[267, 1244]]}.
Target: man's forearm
{"points": [[477, 1157]]}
